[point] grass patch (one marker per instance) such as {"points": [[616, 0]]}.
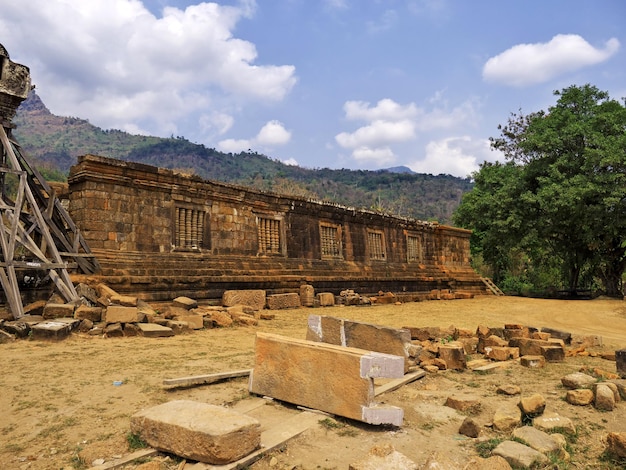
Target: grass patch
{"points": [[13, 447], [77, 462], [342, 429], [484, 448], [614, 461], [135, 441]]}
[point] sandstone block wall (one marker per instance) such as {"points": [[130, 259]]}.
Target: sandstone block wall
{"points": [[155, 230]]}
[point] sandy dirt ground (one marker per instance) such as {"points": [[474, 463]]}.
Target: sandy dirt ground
{"points": [[60, 409]]}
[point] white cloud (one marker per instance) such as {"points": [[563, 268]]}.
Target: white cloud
{"points": [[390, 124], [463, 115], [272, 134], [457, 156], [291, 162], [377, 133], [215, 123], [385, 109], [528, 64], [234, 145], [119, 65], [377, 156]]}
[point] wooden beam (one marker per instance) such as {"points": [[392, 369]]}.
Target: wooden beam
{"points": [[140, 454], [206, 379], [397, 383]]}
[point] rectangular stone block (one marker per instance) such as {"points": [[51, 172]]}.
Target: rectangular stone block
{"points": [[84, 312], [326, 299], [119, 314], [198, 431], [499, 353], [454, 355], [105, 291], [52, 310], [335, 379], [564, 335], [307, 295], [124, 300], [252, 298], [194, 321], [528, 346], [185, 302], [153, 330], [533, 362], [355, 334], [51, 330], [280, 301], [553, 353]]}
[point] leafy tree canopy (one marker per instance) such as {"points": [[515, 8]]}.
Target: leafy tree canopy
{"points": [[561, 195]]}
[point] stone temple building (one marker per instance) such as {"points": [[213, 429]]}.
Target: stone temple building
{"points": [[161, 234]]}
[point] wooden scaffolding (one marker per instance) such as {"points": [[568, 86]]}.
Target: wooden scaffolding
{"points": [[38, 239]]}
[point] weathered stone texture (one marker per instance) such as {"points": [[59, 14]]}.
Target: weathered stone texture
{"points": [[89, 313], [537, 439], [532, 405], [51, 330], [463, 403], [454, 355], [578, 380], [54, 310], [198, 431], [323, 376], [152, 330], [360, 335], [281, 301], [195, 236], [518, 455], [119, 314], [604, 398], [384, 457], [533, 362], [193, 321], [470, 428], [580, 397], [507, 417], [185, 302], [550, 421], [253, 298], [326, 299], [616, 444]]}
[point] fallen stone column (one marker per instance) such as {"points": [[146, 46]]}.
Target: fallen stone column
{"points": [[325, 377], [355, 334]]}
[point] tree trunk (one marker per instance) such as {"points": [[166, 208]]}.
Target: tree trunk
{"points": [[612, 278]]}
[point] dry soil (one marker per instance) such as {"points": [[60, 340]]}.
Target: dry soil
{"points": [[60, 409]]}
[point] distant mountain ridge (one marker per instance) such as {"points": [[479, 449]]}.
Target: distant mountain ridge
{"points": [[55, 142]]}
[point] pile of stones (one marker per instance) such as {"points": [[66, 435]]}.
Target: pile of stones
{"points": [[100, 311], [435, 348]]}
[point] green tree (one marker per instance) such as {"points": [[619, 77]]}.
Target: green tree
{"points": [[569, 198]]}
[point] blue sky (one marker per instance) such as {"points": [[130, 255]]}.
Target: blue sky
{"points": [[359, 84]]}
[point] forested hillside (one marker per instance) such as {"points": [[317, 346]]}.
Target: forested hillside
{"points": [[54, 142]]}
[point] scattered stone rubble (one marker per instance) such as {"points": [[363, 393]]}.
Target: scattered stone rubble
{"points": [[533, 428], [100, 311]]}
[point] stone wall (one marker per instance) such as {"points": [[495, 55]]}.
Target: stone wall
{"points": [[164, 234]]}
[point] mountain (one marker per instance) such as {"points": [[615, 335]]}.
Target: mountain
{"points": [[399, 169], [53, 142]]}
